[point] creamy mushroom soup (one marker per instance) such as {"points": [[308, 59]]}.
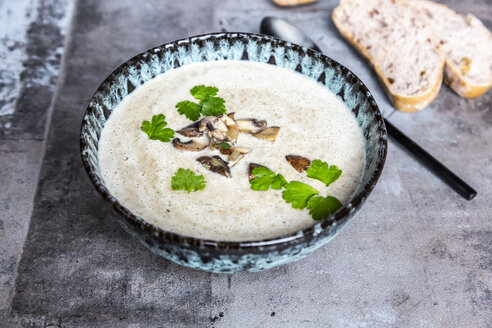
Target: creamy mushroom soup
{"points": [[277, 113]]}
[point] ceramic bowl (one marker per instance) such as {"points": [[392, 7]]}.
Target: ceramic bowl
{"points": [[221, 256]]}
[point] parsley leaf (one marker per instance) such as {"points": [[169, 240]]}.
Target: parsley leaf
{"points": [[202, 92], [319, 170], [189, 109], [266, 179], [298, 194], [322, 207], [209, 104], [187, 180], [213, 106], [156, 129]]}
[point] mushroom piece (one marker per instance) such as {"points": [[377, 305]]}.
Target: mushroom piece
{"points": [[226, 119], [232, 130], [237, 158], [241, 150], [269, 133], [206, 122], [219, 136], [250, 125], [298, 162], [215, 164], [191, 131], [216, 127], [235, 154], [253, 166], [211, 123], [191, 145]]}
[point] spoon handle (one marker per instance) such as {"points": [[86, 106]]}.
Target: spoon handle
{"points": [[429, 161]]}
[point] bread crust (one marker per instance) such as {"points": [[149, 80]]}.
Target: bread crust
{"points": [[401, 102], [458, 83], [452, 73]]}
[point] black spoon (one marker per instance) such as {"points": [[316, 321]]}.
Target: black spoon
{"points": [[282, 29]]}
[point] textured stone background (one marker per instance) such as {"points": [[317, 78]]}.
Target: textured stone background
{"points": [[417, 255]]}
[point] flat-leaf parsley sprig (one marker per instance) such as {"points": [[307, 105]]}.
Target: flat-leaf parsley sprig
{"points": [[320, 170], [322, 207], [187, 180], [266, 179], [299, 194], [209, 104], [156, 129]]}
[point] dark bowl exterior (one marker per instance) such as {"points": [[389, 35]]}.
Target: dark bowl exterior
{"points": [[220, 256]]}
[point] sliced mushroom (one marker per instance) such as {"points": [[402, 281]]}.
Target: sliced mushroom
{"points": [[211, 123], [206, 123], [232, 130], [250, 125], [236, 154], [241, 150], [191, 145], [224, 151], [216, 127], [298, 162], [215, 164], [226, 119], [231, 115], [253, 166], [219, 136], [238, 159], [191, 131], [269, 133]]}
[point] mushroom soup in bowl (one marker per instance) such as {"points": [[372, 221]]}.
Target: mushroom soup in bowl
{"points": [[308, 121], [245, 161]]}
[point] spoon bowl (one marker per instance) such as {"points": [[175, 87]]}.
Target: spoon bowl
{"points": [[282, 29]]}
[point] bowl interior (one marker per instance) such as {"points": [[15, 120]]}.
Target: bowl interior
{"points": [[237, 46]]}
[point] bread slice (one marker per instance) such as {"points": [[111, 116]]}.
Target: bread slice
{"points": [[467, 47], [402, 48]]}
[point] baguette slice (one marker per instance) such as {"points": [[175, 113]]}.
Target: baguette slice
{"points": [[467, 47], [402, 48]]}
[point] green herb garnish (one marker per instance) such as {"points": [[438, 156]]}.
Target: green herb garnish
{"points": [[319, 170], [202, 92], [189, 109], [213, 106], [209, 105], [156, 129], [298, 194], [266, 179], [221, 145], [322, 207], [187, 180]]}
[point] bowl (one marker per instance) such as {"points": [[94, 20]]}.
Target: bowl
{"points": [[225, 256]]}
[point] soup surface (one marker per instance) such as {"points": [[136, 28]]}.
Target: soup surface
{"points": [[313, 123]]}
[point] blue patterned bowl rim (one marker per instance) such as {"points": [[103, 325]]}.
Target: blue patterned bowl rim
{"points": [[338, 217]]}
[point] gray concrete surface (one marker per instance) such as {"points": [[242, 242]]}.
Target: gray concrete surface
{"points": [[417, 255], [32, 35]]}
